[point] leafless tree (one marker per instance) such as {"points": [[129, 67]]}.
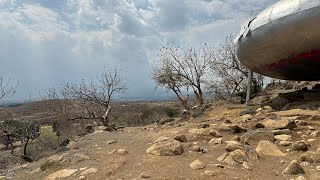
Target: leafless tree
{"points": [[55, 97], [228, 74], [178, 69], [7, 87], [164, 76], [109, 83]]}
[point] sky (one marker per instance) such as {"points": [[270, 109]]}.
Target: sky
{"points": [[45, 43]]}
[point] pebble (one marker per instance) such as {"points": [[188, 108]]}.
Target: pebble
{"points": [[311, 140], [211, 173], [112, 142], [144, 176]]}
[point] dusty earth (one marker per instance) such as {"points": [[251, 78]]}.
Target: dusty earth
{"points": [[122, 154]]}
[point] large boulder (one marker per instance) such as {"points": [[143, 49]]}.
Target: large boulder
{"points": [[269, 149], [166, 148], [254, 137]]}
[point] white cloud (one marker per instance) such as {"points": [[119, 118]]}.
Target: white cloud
{"points": [[49, 42]]}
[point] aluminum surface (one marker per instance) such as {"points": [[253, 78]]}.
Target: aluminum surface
{"points": [[283, 41]]}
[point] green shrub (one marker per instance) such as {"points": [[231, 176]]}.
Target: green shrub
{"points": [[171, 112], [146, 114]]}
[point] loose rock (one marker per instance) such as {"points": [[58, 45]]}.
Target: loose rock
{"points": [[122, 151], [111, 142], [161, 139], [196, 148], [285, 143], [197, 164], [180, 138], [215, 141], [211, 173], [293, 169], [144, 176], [89, 171], [235, 138], [314, 134], [166, 148], [269, 149], [203, 126], [237, 129], [61, 174], [255, 136], [299, 146], [247, 166], [233, 145], [279, 124], [283, 137], [215, 133]]}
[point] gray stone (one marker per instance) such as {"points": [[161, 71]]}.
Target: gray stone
{"points": [[293, 168], [299, 146], [180, 138]]}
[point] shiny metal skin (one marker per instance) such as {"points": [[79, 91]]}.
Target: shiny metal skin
{"points": [[283, 41]]}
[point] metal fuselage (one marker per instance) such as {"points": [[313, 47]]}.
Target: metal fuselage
{"points": [[283, 41]]}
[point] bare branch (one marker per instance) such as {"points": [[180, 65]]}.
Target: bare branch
{"points": [[7, 87]]}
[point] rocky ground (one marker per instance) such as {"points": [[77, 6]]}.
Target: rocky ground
{"points": [[227, 142]]}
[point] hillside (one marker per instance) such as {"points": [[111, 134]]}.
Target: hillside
{"points": [[122, 154]]}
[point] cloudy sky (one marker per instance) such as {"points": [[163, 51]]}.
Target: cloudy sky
{"points": [[49, 42]]}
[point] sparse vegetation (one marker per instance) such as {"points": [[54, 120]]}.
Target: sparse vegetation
{"points": [[110, 83]]}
